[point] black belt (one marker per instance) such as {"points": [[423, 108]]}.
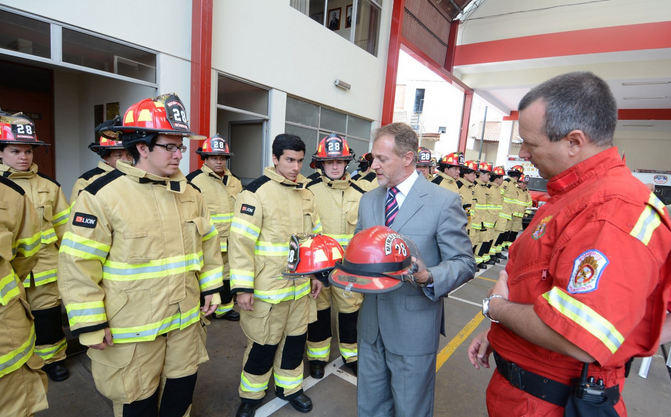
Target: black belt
{"points": [[539, 386]]}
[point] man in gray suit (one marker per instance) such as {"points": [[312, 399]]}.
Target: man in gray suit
{"points": [[399, 330]]}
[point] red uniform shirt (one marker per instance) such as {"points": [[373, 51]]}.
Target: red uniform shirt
{"points": [[595, 264]]}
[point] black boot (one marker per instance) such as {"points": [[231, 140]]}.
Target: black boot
{"points": [[246, 410], [317, 369], [230, 316], [301, 403], [57, 371]]}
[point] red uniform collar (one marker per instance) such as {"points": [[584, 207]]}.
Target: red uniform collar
{"points": [[583, 171]]}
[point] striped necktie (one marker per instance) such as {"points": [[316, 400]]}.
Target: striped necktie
{"points": [[391, 207]]}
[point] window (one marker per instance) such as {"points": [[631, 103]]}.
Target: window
{"points": [[312, 122], [241, 95], [419, 101], [26, 35], [104, 55], [367, 25], [358, 21]]}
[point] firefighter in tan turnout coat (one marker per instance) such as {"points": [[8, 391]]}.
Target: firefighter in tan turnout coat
{"points": [[133, 270], [17, 142], [337, 199], [219, 188], [23, 386]]}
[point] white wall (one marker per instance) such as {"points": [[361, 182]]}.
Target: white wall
{"points": [[174, 76], [487, 26], [75, 96], [272, 44], [644, 150]]}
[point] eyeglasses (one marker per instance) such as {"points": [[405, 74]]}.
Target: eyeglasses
{"points": [[171, 147]]}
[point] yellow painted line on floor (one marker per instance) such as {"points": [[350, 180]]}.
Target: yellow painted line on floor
{"points": [[451, 347], [487, 279]]}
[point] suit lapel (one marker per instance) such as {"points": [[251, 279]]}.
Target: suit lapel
{"points": [[378, 209], [412, 203]]}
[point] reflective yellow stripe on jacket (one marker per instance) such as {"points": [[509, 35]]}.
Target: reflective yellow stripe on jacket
{"points": [[245, 228], [159, 268], [585, 317], [91, 312], [649, 220], [285, 294], [49, 236], [243, 279], [9, 288], [27, 246], [149, 332], [15, 359], [61, 218], [342, 239], [80, 247]]}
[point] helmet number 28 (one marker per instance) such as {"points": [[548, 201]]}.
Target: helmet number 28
{"points": [[400, 248], [179, 115], [24, 129], [334, 146]]}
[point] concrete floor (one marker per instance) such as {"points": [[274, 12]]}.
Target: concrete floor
{"points": [[460, 389]]}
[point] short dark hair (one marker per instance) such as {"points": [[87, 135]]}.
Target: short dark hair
{"points": [[577, 100], [135, 154], [285, 141], [405, 139]]}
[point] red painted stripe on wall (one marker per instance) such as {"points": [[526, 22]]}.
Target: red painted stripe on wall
{"points": [[588, 41], [623, 114], [644, 114]]}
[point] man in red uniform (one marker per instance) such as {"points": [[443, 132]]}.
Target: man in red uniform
{"points": [[590, 279]]}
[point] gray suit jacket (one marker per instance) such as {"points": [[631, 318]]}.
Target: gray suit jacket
{"points": [[409, 319]]}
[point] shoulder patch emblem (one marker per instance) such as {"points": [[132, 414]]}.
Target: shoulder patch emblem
{"points": [[247, 209], [85, 220], [540, 229], [587, 270]]}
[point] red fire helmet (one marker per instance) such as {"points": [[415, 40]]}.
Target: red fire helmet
{"points": [[216, 145], [455, 159], [485, 167], [311, 254], [105, 145], [516, 170], [499, 171], [374, 261], [472, 165], [18, 129], [333, 147], [164, 115]]}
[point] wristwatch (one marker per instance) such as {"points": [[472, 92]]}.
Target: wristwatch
{"points": [[485, 306], [428, 281]]}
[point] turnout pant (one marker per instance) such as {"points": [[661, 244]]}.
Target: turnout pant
{"points": [[45, 305], [225, 293], [319, 332], [276, 336], [155, 378], [24, 392], [392, 385]]}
